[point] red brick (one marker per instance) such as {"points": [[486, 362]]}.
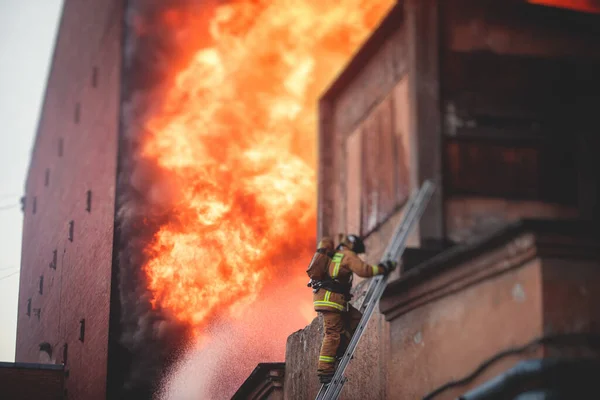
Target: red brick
{"points": [[19, 381], [89, 38]]}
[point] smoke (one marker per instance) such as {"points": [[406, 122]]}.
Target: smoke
{"points": [[214, 368], [159, 36], [220, 238], [153, 338]]}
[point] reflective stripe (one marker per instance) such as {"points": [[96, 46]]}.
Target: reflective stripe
{"points": [[337, 259], [327, 295], [327, 359], [375, 269], [329, 304]]}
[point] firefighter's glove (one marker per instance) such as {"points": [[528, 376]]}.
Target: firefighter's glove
{"points": [[388, 266]]}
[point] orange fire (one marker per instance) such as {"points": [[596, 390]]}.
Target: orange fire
{"points": [[236, 135], [590, 6]]}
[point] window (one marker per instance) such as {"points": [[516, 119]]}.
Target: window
{"points": [[47, 177], [42, 284], [60, 147], [380, 171], [71, 230], [82, 330], [65, 353], [28, 307], [54, 259], [77, 115], [95, 77], [34, 204]]}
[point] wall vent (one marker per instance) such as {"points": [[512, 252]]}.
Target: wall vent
{"points": [[82, 329], [95, 77], [65, 353], [71, 230], [77, 112], [54, 259]]}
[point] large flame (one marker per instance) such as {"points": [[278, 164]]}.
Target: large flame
{"points": [[236, 136], [590, 6]]}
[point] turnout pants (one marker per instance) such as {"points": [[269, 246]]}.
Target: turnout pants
{"points": [[339, 328]]}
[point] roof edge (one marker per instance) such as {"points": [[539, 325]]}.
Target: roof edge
{"points": [[385, 29]]}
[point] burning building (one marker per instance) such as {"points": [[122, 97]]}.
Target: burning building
{"points": [[170, 203], [498, 295]]}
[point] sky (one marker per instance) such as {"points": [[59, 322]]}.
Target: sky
{"points": [[27, 35]]}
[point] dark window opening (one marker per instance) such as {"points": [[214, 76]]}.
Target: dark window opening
{"points": [[71, 230], [47, 177], [46, 348], [88, 206], [65, 353], [77, 112], [34, 204], [95, 77], [42, 284], [535, 169], [60, 147], [29, 307], [82, 330], [23, 203], [54, 259]]}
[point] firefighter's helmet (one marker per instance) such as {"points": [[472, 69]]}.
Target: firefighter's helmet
{"points": [[354, 243]]}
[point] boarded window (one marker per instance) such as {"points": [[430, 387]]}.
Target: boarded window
{"points": [[383, 165]]}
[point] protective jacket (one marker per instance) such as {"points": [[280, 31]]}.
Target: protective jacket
{"points": [[345, 262]]}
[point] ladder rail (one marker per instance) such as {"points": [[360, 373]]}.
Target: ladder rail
{"points": [[387, 254], [414, 210]]}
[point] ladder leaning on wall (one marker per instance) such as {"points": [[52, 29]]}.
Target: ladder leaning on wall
{"points": [[414, 210]]}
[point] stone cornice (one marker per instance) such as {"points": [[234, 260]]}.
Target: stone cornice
{"points": [[470, 263]]}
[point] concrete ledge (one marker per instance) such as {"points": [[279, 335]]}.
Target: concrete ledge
{"points": [[21, 365], [488, 256]]}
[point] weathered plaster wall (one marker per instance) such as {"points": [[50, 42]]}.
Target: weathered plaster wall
{"points": [[473, 216]]}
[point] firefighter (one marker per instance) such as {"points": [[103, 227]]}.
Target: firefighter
{"points": [[332, 295]]}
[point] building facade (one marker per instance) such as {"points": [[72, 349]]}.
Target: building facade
{"points": [[494, 102], [69, 204]]}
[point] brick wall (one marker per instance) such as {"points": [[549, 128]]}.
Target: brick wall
{"points": [[31, 381], [70, 196]]}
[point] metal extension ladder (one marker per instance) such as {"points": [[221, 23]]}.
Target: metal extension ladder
{"points": [[414, 210]]}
